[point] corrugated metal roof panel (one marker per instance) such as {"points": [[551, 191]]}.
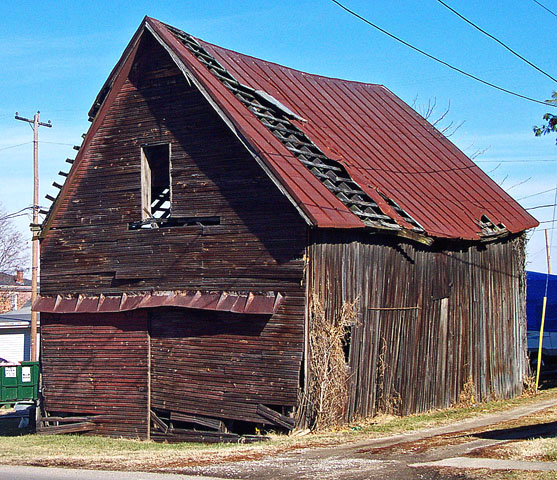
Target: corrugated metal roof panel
{"points": [[385, 145]]}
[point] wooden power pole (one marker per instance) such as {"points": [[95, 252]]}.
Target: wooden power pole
{"points": [[35, 245]]}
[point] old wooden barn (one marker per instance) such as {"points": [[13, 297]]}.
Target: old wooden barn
{"points": [[219, 201]]}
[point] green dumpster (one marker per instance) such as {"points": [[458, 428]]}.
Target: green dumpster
{"points": [[19, 382]]}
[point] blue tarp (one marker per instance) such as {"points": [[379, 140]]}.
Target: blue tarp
{"points": [[535, 290]]}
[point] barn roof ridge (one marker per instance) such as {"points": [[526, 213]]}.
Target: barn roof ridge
{"points": [[286, 67], [336, 163]]}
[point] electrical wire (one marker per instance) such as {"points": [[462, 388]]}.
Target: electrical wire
{"points": [[545, 8], [540, 206], [539, 193], [19, 213], [531, 160], [57, 143], [13, 146], [516, 54], [442, 62]]}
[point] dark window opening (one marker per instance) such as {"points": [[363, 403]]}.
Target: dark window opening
{"points": [[155, 182], [156, 192], [489, 228]]}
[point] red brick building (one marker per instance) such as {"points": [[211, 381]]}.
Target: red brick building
{"points": [[15, 291]]}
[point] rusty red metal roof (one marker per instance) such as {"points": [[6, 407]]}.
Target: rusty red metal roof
{"points": [[386, 147], [253, 303], [417, 179]]}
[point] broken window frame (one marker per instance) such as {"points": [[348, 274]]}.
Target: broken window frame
{"points": [[147, 168], [149, 218]]}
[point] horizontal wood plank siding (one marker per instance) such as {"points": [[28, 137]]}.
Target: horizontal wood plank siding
{"points": [[430, 318], [224, 364], [97, 365], [258, 247]]}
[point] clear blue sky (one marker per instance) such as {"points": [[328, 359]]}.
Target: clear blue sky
{"points": [[56, 56]]}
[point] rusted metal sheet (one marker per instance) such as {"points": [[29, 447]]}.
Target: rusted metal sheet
{"points": [[384, 144], [259, 304], [387, 147], [430, 320]]}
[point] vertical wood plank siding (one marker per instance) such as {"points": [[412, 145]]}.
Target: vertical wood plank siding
{"points": [[258, 246], [469, 321], [97, 365]]}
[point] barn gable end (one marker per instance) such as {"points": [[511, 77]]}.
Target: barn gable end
{"points": [[230, 232]]}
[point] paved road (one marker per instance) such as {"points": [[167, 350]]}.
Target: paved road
{"points": [[39, 473]]}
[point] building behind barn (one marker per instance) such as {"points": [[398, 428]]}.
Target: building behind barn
{"points": [[216, 197]]}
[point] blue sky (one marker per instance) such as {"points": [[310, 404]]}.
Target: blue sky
{"points": [[56, 56]]}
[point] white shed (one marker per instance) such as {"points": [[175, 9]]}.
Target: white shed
{"points": [[15, 335]]}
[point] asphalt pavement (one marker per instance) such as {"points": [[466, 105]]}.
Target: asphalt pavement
{"points": [[8, 472]]}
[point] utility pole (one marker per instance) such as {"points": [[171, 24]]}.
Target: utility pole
{"points": [[35, 245]]}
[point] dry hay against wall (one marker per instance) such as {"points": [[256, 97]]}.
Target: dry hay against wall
{"points": [[327, 393]]}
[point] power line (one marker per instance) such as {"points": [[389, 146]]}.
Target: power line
{"points": [[535, 194], [456, 69], [545, 8], [497, 40], [19, 213], [13, 146], [57, 143], [530, 160], [541, 206]]}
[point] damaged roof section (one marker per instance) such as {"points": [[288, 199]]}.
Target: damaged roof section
{"points": [[277, 118], [347, 154]]}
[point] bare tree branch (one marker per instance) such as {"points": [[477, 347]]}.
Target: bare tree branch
{"points": [[13, 247]]}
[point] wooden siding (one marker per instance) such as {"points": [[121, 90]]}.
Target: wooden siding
{"points": [[258, 246], [430, 318], [223, 364], [97, 365]]}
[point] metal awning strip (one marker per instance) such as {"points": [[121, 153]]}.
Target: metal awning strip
{"points": [[265, 303]]}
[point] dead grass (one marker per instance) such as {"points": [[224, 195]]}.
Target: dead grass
{"points": [[484, 474], [396, 424], [544, 449], [535, 449], [328, 380], [120, 454]]}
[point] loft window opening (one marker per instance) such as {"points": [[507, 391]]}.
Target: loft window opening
{"points": [[156, 192]]}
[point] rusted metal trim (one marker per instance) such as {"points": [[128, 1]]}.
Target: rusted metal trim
{"points": [[235, 302]]}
